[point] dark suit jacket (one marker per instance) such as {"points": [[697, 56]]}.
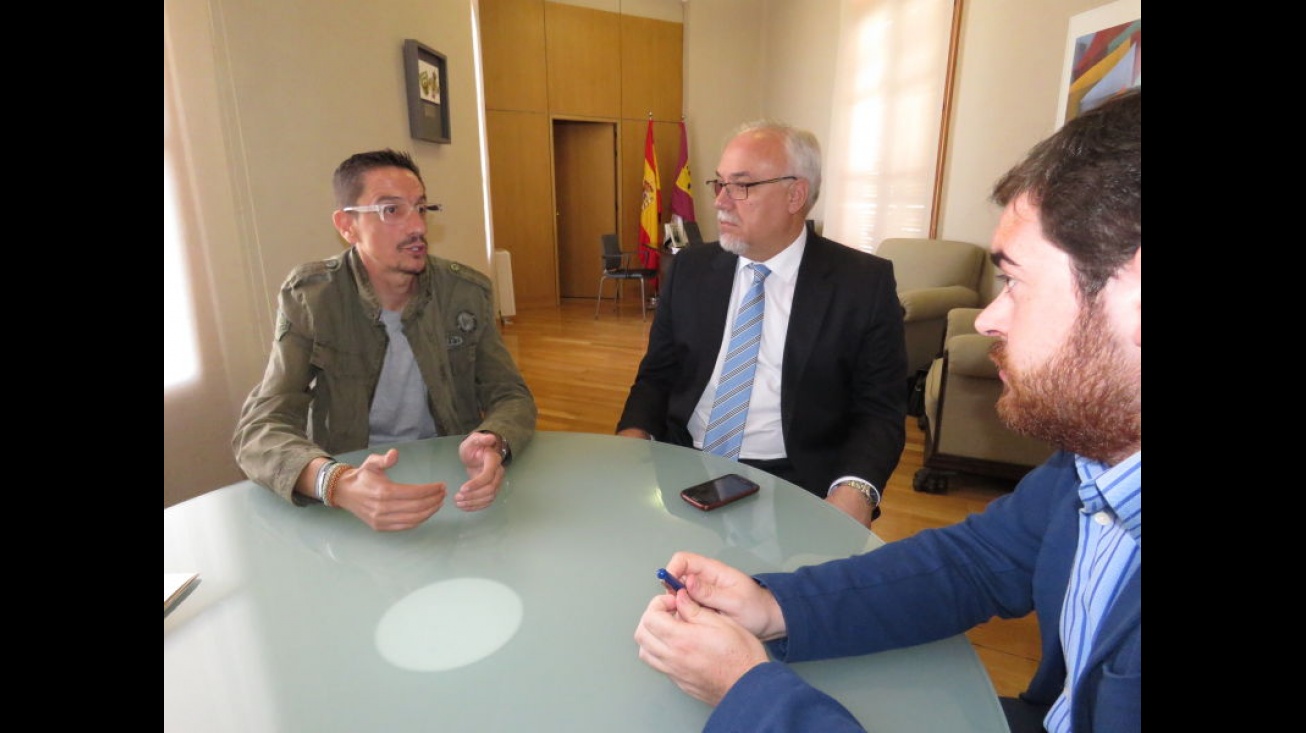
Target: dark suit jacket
{"points": [[843, 400], [1015, 556]]}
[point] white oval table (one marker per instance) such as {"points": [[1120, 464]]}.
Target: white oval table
{"points": [[516, 618]]}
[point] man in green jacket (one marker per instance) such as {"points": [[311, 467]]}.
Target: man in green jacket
{"points": [[381, 344]]}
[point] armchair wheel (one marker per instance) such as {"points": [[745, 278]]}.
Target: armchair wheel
{"points": [[930, 481]]}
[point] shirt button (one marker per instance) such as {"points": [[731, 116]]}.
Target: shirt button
{"points": [[1102, 518]]}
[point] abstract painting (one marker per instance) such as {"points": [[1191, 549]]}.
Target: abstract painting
{"points": [[1104, 57]]}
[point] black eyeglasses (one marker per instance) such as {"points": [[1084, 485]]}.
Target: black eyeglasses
{"points": [[739, 191]]}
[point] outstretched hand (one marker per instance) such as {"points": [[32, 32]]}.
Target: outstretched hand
{"points": [[479, 453], [369, 494]]}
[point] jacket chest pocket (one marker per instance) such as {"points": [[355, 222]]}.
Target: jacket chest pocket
{"points": [[461, 350], [341, 363]]}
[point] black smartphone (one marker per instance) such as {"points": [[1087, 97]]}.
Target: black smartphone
{"points": [[719, 491]]}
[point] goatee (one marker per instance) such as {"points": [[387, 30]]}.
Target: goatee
{"points": [[734, 245]]}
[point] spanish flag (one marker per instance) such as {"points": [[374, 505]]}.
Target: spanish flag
{"points": [[652, 201], [649, 209], [682, 196]]}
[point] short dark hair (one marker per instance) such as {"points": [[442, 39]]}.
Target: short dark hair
{"points": [[348, 180], [1087, 182]]}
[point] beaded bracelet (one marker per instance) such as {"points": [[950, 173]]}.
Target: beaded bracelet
{"points": [[319, 486], [337, 470]]}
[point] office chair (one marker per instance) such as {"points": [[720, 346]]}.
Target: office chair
{"points": [[617, 265], [692, 234]]}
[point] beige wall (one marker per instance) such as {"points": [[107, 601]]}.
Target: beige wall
{"points": [[724, 56], [277, 92], [799, 75], [776, 58], [1005, 101]]}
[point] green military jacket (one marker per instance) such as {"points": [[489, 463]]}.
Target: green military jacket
{"points": [[316, 393]]}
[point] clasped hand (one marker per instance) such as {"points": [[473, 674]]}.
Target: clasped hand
{"points": [[387, 506], [709, 634]]}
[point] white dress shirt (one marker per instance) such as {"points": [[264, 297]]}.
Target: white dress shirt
{"points": [[763, 436]]}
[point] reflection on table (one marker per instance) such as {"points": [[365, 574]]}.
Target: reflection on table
{"points": [[519, 617]]}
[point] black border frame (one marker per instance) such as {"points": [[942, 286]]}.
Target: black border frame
{"points": [[426, 121]]}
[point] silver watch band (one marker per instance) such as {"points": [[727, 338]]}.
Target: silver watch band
{"points": [[868, 492]]}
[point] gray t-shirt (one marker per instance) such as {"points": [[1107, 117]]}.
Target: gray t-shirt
{"points": [[399, 410]]}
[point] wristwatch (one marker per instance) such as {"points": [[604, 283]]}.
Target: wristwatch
{"points": [[505, 451], [868, 492]]}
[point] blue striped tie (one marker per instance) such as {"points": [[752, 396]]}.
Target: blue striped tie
{"points": [[725, 427]]}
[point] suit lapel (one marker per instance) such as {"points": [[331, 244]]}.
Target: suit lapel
{"points": [[813, 291], [710, 303], [714, 296]]}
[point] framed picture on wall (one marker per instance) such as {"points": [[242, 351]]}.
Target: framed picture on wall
{"points": [[1104, 57], [426, 77]]}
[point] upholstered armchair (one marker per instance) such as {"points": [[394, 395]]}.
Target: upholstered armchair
{"points": [[934, 276], [962, 430]]}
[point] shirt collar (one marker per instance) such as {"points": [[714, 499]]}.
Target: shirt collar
{"points": [[785, 264], [1118, 489]]}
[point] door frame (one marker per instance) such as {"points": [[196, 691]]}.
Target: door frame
{"points": [[586, 161]]}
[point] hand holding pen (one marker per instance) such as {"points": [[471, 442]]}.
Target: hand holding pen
{"points": [[671, 582], [703, 652], [725, 590]]}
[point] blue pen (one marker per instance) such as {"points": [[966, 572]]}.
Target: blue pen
{"points": [[672, 583]]}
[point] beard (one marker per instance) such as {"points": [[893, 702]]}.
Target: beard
{"points": [[734, 245], [1086, 399], [729, 242], [413, 268]]}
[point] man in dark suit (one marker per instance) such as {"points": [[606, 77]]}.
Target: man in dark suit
{"points": [[827, 410]]}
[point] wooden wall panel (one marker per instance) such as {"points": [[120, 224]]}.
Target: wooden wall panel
{"points": [[512, 54], [546, 62], [521, 192], [651, 68], [583, 47]]}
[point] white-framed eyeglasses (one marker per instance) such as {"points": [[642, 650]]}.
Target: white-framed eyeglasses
{"points": [[739, 191], [395, 212]]}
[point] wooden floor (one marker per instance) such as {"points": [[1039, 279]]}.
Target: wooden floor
{"points": [[580, 369]]}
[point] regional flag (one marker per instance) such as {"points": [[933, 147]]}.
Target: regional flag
{"points": [[652, 198], [682, 196]]}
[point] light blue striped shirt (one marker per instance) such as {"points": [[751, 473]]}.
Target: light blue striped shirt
{"points": [[1109, 552]]}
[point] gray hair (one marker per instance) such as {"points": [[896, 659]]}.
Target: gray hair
{"points": [[801, 147]]}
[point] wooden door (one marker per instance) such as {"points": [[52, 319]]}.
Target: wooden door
{"points": [[585, 189]]}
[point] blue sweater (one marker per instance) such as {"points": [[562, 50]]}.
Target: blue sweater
{"points": [[1014, 557]]}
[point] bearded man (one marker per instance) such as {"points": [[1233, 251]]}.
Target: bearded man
{"points": [[1066, 544]]}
